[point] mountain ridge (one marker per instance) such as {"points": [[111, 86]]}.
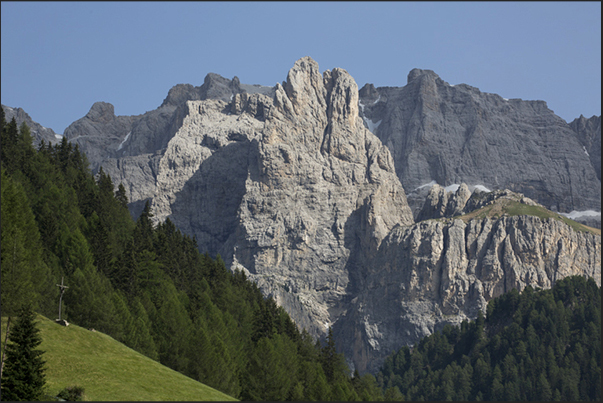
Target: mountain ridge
{"points": [[455, 134], [289, 185]]}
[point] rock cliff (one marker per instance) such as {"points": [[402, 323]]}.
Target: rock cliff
{"points": [[589, 134], [102, 135], [130, 147], [454, 133], [435, 272], [290, 187], [444, 204]]}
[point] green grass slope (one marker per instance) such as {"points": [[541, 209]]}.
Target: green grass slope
{"points": [[108, 370], [508, 207]]}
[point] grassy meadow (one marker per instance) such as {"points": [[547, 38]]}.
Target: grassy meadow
{"points": [[108, 370], [510, 207]]}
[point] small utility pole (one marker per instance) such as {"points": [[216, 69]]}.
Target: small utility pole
{"points": [[4, 348], [62, 287]]}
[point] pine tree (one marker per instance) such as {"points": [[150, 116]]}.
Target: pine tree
{"points": [[121, 196], [329, 358], [271, 366], [23, 375], [393, 395], [543, 388]]}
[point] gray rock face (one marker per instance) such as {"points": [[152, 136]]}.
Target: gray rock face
{"points": [[453, 134], [589, 134], [320, 196], [440, 203], [38, 132], [100, 132], [105, 137], [434, 273]]}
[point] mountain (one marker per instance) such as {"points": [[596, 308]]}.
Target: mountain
{"points": [[280, 186], [101, 134], [38, 132], [589, 134], [442, 271], [452, 134], [301, 187]]}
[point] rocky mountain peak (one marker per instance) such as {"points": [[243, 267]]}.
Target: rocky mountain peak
{"points": [[415, 73], [328, 101], [342, 98], [294, 191], [455, 133], [101, 112], [38, 132], [214, 87], [217, 87], [368, 92], [304, 85], [588, 132], [181, 93]]}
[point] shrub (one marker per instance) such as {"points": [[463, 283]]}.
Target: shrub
{"points": [[72, 393]]}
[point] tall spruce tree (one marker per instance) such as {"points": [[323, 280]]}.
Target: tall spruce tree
{"points": [[23, 377]]}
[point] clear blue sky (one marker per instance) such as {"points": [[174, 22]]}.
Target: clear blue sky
{"points": [[58, 58]]}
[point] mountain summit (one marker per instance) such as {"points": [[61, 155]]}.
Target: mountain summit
{"points": [[452, 134]]}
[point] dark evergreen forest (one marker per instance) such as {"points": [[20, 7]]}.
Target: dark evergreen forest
{"points": [[148, 287], [540, 345]]}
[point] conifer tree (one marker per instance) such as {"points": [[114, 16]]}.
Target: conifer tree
{"points": [[332, 362], [23, 377], [121, 196]]}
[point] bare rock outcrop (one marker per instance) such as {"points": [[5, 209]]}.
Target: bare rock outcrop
{"points": [[589, 134], [105, 137], [435, 273], [455, 133], [100, 133], [324, 193], [440, 203]]}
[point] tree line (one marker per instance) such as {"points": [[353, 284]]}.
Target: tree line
{"points": [[147, 285]]}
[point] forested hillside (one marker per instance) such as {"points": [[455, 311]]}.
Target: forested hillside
{"points": [[538, 345], [148, 286]]}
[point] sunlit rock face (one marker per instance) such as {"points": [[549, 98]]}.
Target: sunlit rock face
{"points": [[287, 185], [436, 273]]}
